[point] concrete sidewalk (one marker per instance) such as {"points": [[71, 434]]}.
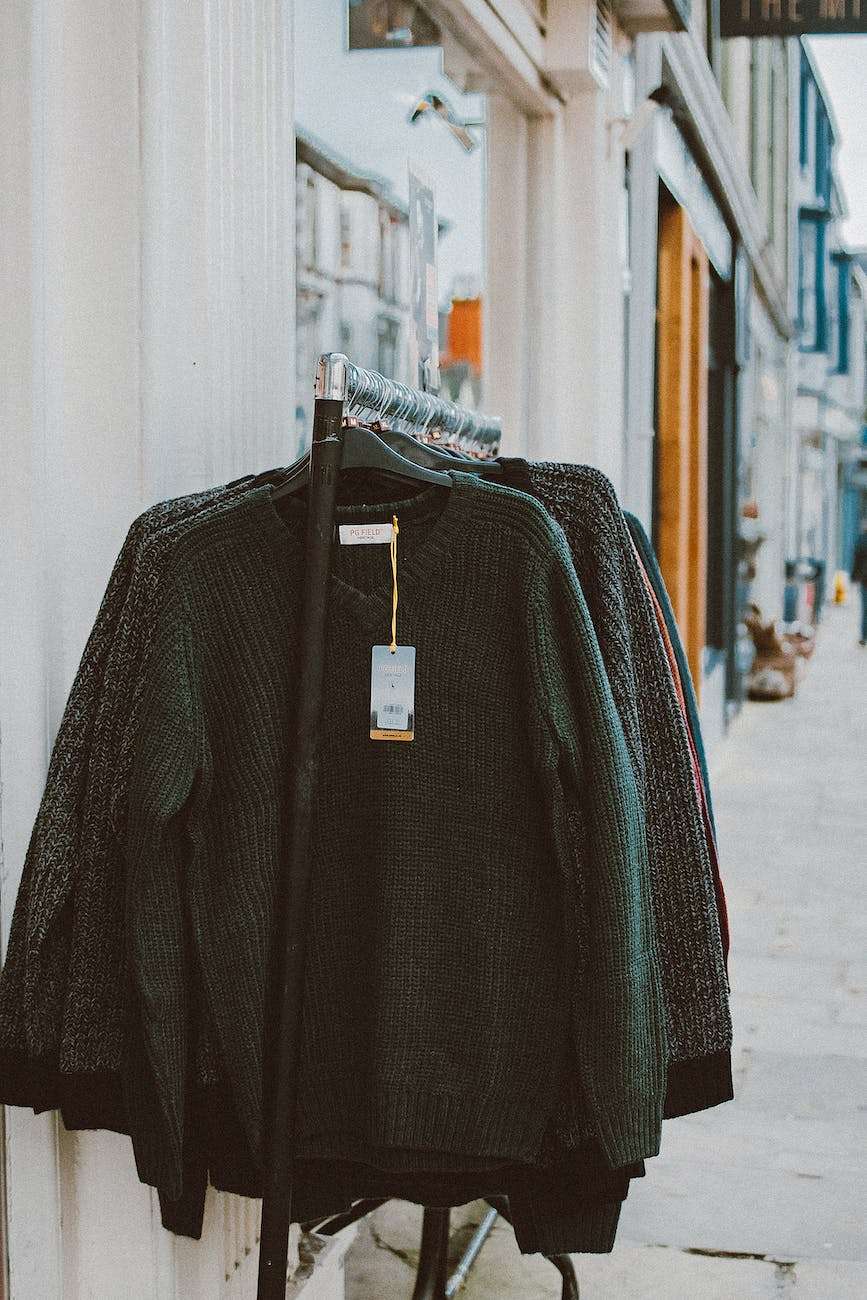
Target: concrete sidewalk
{"points": [[767, 1196]]}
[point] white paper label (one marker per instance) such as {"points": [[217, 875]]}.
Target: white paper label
{"points": [[364, 534], [392, 693]]}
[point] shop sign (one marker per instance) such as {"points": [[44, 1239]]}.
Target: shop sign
{"points": [[791, 17]]}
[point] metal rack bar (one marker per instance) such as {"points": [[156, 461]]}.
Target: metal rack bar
{"points": [[370, 396], [471, 1254]]}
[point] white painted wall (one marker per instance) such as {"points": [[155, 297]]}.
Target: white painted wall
{"points": [[509, 322], [640, 419], [146, 282], [586, 288], [31, 1148]]}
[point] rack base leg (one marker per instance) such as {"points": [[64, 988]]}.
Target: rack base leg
{"points": [[566, 1269], [433, 1261], [562, 1263]]}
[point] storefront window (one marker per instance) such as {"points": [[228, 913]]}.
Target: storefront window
{"points": [[807, 285], [363, 117], [840, 318]]}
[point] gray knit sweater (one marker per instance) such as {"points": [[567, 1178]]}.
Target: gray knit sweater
{"points": [[695, 984], [61, 1009]]}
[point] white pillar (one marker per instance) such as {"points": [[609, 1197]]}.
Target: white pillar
{"points": [[508, 322], [641, 391], [33, 1197], [218, 241], [147, 290], [575, 297]]}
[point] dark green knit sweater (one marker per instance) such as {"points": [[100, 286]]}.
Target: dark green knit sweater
{"points": [[479, 895]]}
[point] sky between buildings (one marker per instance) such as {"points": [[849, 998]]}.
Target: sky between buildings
{"points": [[842, 62]]}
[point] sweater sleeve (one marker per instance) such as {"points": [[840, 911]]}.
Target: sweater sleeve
{"points": [[617, 1003], [33, 979], [168, 782]]}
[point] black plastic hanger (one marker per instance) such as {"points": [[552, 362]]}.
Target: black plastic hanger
{"points": [[364, 449], [433, 456]]}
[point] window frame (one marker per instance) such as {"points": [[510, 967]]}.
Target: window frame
{"points": [[819, 288], [843, 263]]}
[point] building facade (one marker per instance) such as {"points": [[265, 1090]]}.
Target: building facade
{"points": [[200, 199], [709, 337], [352, 280], [830, 376]]}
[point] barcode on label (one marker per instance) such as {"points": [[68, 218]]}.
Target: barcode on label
{"points": [[393, 717], [392, 693]]}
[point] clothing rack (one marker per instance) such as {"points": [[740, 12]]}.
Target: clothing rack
{"points": [[346, 392], [371, 396]]}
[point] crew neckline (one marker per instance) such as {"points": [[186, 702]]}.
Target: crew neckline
{"points": [[433, 549]]}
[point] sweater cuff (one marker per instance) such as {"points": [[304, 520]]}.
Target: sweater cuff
{"points": [[562, 1225], [24, 1083], [85, 1100], [698, 1084], [627, 1139], [185, 1216]]}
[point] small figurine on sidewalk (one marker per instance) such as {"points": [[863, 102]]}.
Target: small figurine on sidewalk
{"points": [[859, 575]]}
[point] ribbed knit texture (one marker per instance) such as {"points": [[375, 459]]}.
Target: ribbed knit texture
{"points": [[60, 988], [710, 836], [695, 985], [551, 1224], [81, 875], [651, 565], [61, 1013], [34, 972], [571, 1207], [458, 935]]}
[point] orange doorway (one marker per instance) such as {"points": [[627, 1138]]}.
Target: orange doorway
{"points": [[682, 425]]}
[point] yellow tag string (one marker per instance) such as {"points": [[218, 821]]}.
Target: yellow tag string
{"points": [[394, 532]]}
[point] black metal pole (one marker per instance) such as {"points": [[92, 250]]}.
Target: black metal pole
{"points": [[325, 457], [433, 1260]]}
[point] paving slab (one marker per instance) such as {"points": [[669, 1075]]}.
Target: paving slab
{"points": [[830, 1281], [740, 1207], [638, 1273]]}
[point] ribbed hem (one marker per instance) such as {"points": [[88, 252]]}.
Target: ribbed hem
{"points": [[550, 1221], [24, 1084], [399, 1160], [185, 1216], [627, 1138], [85, 1101], [698, 1084], [557, 1224], [510, 1127]]}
